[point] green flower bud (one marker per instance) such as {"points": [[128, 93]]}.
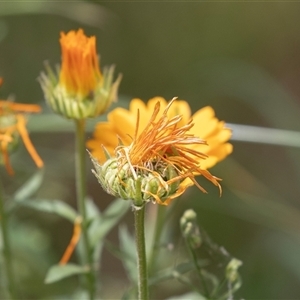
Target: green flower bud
{"points": [[190, 229], [79, 90], [232, 270]]}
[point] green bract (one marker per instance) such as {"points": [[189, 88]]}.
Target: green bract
{"points": [[137, 184], [75, 106]]}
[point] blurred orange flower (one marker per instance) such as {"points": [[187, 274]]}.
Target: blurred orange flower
{"points": [[13, 126]]}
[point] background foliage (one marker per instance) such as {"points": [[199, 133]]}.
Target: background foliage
{"points": [[240, 58]]}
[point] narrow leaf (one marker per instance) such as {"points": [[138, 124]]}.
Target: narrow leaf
{"points": [[52, 206], [110, 217], [59, 272], [92, 210], [30, 186], [127, 246]]}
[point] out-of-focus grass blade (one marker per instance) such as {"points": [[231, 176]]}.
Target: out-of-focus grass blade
{"points": [[262, 135], [251, 84], [85, 12], [49, 122]]}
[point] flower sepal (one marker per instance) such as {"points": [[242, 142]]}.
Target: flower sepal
{"points": [[77, 106], [139, 186]]}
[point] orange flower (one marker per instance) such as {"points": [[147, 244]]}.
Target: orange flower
{"points": [[122, 123], [13, 125], [161, 161], [80, 90]]}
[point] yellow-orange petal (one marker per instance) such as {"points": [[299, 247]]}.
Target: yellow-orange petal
{"points": [[80, 72], [5, 156], [218, 138], [216, 155], [21, 125], [123, 123], [97, 150], [205, 121], [182, 108], [73, 242], [145, 110], [21, 107]]}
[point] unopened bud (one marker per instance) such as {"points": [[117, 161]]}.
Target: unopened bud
{"points": [[190, 229], [232, 270]]}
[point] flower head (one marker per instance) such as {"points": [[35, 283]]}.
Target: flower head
{"points": [[160, 162], [122, 123], [12, 127], [79, 90]]}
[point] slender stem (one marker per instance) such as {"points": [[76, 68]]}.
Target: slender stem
{"points": [[202, 279], [7, 249], [81, 194], [139, 215]]}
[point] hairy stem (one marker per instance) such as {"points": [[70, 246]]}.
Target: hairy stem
{"points": [[6, 249], [81, 195], [139, 216]]}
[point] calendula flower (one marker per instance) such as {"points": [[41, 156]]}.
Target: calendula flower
{"points": [[160, 162], [122, 122], [12, 127], [79, 90]]}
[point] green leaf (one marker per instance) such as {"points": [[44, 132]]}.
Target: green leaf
{"points": [[127, 246], [102, 224], [93, 215], [110, 217], [30, 186], [92, 210], [52, 206], [130, 294], [59, 272]]}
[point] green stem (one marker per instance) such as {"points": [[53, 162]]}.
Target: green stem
{"points": [[139, 216], [201, 277], [81, 195], [6, 249]]}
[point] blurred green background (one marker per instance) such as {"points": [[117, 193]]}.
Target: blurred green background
{"points": [[241, 58]]}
